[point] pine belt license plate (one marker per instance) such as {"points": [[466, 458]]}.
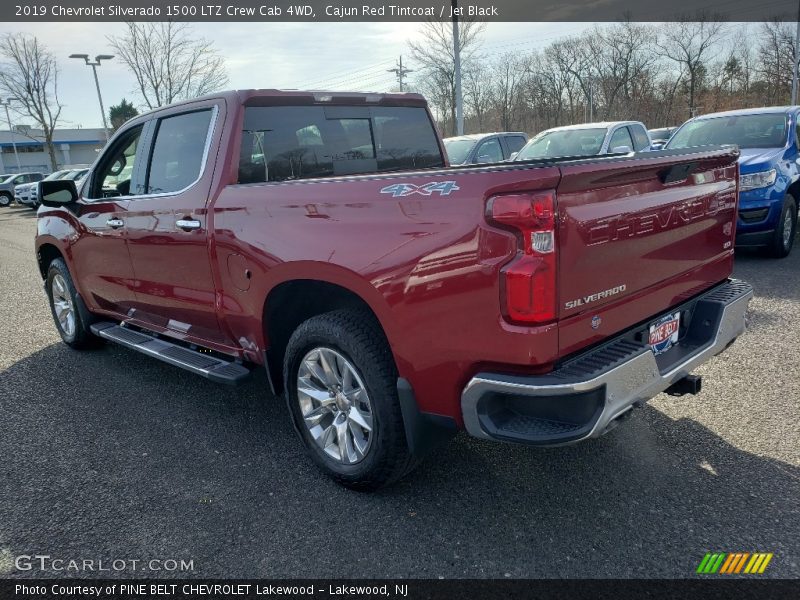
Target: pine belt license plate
{"points": [[664, 333]]}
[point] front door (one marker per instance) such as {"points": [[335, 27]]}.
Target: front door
{"points": [[100, 252], [167, 228]]}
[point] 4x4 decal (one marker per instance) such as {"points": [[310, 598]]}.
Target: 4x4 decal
{"points": [[443, 188]]}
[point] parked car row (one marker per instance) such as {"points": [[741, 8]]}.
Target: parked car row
{"points": [[28, 193], [9, 183], [24, 187], [769, 159]]}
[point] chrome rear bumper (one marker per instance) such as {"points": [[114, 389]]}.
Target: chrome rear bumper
{"points": [[588, 393]]}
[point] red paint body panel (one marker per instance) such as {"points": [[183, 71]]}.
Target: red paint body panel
{"points": [[428, 266]]}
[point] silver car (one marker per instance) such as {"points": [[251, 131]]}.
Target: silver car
{"points": [[586, 140], [8, 185]]}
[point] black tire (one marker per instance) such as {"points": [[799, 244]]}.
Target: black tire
{"points": [[5, 199], [80, 337], [779, 247], [356, 337]]}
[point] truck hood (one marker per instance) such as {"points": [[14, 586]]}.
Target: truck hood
{"points": [[753, 160]]}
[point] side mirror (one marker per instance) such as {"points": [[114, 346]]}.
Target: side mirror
{"points": [[57, 192], [621, 150], [513, 155]]}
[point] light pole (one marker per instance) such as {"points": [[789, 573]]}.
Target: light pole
{"points": [[457, 64], [94, 66], [7, 102]]}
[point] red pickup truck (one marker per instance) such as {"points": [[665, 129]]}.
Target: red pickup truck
{"points": [[393, 299]]}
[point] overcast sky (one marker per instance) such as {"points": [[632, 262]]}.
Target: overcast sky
{"points": [[338, 56]]}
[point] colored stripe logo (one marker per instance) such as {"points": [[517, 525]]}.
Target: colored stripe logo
{"points": [[733, 563]]}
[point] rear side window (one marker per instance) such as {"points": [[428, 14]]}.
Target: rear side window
{"points": [[514, 143], [178, 152], [284, 143], [640, 139]]}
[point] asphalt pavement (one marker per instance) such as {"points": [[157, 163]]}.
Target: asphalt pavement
{"points": [[109, 455]]}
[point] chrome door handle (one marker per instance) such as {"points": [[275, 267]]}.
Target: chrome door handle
{"points": [[115, 223], [188, 224]]}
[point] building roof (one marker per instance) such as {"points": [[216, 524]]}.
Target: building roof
{"points": [[60, 136]]}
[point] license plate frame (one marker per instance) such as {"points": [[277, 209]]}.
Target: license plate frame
{"points": [[663, 332]]}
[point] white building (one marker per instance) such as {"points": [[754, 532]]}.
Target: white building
{"points": [[74, 147]]}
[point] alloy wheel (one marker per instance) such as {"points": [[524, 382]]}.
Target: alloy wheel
{"points": [[335, 406], [62, 305]]}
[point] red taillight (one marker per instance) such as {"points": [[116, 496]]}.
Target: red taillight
{"points": [[529, 281]]}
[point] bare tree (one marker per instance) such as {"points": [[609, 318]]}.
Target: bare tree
{"points": [[478, 93], [168, 63], [434, 53], [776, 53], [690, 44], [30, 75]]}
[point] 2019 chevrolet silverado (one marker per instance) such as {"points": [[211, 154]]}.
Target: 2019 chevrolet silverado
{"points": [[393, 299], [769, 190]]}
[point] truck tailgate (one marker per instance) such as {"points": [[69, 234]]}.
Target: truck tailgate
{"points": [[640, 235]]}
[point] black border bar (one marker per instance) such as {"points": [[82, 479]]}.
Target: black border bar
{"points": [[394, 10], [711, 588]]}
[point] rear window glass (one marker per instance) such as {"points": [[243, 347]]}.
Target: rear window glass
{"points": [[283, 143]]}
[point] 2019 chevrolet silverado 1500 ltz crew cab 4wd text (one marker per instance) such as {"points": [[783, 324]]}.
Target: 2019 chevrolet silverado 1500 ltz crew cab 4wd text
{"points": [[394, 299]]}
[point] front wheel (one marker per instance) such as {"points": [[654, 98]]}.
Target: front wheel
{"points": [[341, 387], [5, 199], [64, 307], [781, 244]]}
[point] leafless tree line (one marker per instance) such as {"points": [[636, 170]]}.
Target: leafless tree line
{"points": [[658, 74]]}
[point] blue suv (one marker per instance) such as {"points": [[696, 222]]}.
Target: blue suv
{"points": [[769, 169]]}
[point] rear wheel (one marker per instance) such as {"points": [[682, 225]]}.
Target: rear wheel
{"points": [[341, 387], [5, 199], [781, 244], [64, 307]]}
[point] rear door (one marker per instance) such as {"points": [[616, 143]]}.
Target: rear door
{"points": [[167, 224], [636, 236]]}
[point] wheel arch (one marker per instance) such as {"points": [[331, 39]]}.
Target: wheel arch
{"points": [[293, 301], [46, 252]]}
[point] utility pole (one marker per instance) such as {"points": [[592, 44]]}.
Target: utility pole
{"points": [[796, 58], [400, 72], [6, 104], [457, 57]]}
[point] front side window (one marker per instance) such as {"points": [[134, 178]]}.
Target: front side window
{"points": [[178, 152], [490, 152], [285, 143], [115, 168], [640, 139], [621, 137]]}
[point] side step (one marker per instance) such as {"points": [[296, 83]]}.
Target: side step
{"points": [[206, 365]]}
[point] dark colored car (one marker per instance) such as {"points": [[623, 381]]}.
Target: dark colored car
{"points": [[483, 148], [769, 186], [392, 299]]}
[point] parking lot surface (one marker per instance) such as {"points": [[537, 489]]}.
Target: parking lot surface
{"points": [[111, 455]]}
